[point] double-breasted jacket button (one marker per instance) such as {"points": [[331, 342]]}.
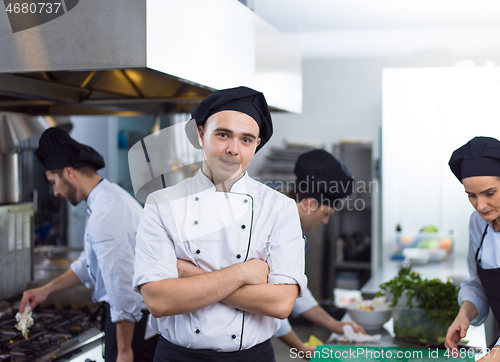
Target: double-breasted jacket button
{"points": [[243, 226], [196, 222]]}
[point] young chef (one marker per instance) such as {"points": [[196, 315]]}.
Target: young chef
{"points": [[245, 238], [106, 264], [321, 181], [477, 166]]}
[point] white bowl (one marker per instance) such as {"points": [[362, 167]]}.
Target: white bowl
{"points": [[369, 319], [417, 256], [437, 254]]}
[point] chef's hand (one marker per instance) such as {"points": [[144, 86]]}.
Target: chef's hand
{"points": [[456, 332], [34, 296], [357, 329], [188, 269], [255, 271]]}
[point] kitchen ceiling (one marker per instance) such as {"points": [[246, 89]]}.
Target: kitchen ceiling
{"points": [[366, 28]]}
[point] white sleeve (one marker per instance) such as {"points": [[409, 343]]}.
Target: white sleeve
{"points": [[471, 288], [285, 328], [115, 256], [287, 250], [498, 342], [155, 257], [304, 303], [79, 267]]}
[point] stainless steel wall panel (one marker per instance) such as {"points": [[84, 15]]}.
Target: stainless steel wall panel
{"points": [[16, 247]]}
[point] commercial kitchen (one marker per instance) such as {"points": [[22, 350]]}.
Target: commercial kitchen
{"points": [[390, 90]]}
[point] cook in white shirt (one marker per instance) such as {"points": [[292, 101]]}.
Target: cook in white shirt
{"points": [[321, 181], [107, 262], [477, 166], [220, 256]]}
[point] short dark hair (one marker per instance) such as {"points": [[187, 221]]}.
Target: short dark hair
{"points": [[86, 171]]}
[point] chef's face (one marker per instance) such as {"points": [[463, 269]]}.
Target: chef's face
{"points": [[484, 195], [62, 186], [229, 140], [313, 214]]}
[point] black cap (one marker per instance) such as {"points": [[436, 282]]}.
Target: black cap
{"points": [[58, 150], [478, 157], [241, 99], [323, 177]]}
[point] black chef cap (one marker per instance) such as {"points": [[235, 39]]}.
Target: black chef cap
{"points": [[241, 99], [478, 157], [323, 177], [58, 150]]}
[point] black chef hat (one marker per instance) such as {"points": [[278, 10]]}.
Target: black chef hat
{"points": [[58, 150], [241, 99], [323, 177], [478, 157]]}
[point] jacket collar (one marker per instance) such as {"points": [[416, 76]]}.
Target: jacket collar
{"points": [[91, 199], [203, 182]]}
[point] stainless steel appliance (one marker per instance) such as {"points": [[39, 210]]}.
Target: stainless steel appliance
{"points": [[16, 247], [55, 335], [14, 130], [10, 178], [143, 57]]}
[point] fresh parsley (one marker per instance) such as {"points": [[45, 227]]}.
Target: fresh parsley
{"points": [[438, 300]]}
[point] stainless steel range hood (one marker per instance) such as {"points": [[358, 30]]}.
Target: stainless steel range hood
{"points": [[142, 57]]}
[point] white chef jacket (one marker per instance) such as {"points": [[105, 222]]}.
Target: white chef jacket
{"points": [[107, 261], [215, 230], [471, 288]]}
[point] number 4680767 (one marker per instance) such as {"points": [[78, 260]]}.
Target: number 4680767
{"points": [[33, 8]]}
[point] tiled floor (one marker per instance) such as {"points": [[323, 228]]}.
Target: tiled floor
{"points": [[282, 351]]}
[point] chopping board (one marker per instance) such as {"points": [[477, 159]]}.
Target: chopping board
{"points": [[336, 353]]}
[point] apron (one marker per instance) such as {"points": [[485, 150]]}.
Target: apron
{"points": [[490, 280]]}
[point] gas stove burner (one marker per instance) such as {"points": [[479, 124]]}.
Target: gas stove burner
{"points": [[53, 333]]}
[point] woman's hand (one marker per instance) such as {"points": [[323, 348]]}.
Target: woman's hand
{"points": [[456, 332], [493, 355]]}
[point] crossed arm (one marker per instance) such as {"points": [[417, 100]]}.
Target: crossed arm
{"points": [[243, 286]]}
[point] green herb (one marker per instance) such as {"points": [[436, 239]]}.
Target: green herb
{"points": [[438, 299]]}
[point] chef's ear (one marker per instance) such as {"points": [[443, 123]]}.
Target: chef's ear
{"points": [[69, 172], [312, 204], [201, 133], [307, 204]]}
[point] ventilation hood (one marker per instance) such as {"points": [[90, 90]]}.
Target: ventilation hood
{"points": [[130, 57]]}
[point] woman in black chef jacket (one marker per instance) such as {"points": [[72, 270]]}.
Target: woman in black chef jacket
{"points": [[477, 165]]}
